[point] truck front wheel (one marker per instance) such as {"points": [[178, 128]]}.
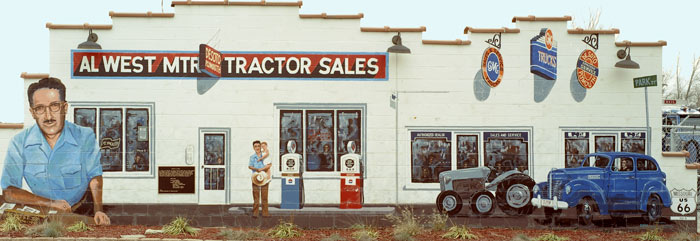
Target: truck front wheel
{"points": [[586, 210], [449, 202]]}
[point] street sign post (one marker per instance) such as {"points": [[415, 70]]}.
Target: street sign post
{"points": [[646, 81]]}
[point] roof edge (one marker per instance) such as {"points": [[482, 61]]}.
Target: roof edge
{"points": [[448, 42], [390, 29], [626, 43], [534, 18], [593, 31], [11, 125], [26, 75], [148, 14], [78, 26], [468, 29], [336, 16], [226, 2]]}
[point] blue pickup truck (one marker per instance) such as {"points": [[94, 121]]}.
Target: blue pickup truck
{"points": [[606, 183]]}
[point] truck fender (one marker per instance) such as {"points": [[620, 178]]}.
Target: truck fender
{"points": [[654, 187], [581, 188]]}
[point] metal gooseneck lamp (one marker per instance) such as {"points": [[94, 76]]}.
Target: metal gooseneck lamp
{"points": [[91, 42], [627, 63], [397, 48]]}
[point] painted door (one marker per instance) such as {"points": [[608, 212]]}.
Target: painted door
{"points": [[213, 167], [623, 186]]}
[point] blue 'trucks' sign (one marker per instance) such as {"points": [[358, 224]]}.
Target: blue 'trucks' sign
{"points": [[543, 55]]}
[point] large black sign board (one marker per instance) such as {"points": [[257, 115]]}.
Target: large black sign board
{"points": [[176, 179]]}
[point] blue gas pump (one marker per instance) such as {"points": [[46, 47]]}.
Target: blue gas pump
{"points": [[292, 183]]}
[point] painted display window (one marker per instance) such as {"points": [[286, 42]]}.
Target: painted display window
{"points": [[505, 151], [604, 143], [431, 154], [214, 178], [290, 129], [348, 130], [214, 149], [467, 151], [110, 139], [319, 140], [633, 142], [576, 146], [86, 117], [137, 146]]}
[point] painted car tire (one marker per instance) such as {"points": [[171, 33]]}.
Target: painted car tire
{"points": [[483, 203], [654, 207], [449, 202], [515, 204], [586, 211]]}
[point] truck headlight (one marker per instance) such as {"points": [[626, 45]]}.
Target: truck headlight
{"points": [[535, 189], [567, 189]]}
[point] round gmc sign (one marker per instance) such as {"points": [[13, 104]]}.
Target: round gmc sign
{"points": [[587, 69], [492, 67]]}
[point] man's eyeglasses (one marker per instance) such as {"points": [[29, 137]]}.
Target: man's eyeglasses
{"points": [[54, 106]]}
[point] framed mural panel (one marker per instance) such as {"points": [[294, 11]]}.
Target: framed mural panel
{"points": [[110, 139], [467, 151], [290, 129], [86, 117], [576, 146], [431, 154], [349, 129], [214, 149], [505, 151], [137, 146], [319, 140], [633, 142], [604, 143]]}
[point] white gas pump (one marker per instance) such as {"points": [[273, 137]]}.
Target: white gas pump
{"points": [[292, 184], [351, 178]]}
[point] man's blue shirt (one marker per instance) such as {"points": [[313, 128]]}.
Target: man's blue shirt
{"points": [[61, 173], [255, 163]]}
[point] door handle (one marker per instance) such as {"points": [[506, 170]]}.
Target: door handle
{"points": [[630, 177]]}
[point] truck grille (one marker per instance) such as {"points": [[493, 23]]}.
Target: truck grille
{"points": [[554, 188]]}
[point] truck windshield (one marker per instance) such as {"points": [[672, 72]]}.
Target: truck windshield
{"points": [[596, 161]]}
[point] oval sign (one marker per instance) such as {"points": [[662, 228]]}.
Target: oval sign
{"points": [[549, 39], [587, 69], [492, 67]]}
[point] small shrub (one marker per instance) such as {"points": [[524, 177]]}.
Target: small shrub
{"points": [[651, 235], [46, 229], [80, 226], [228, 234], [365, 234], [438, 221], [550, 237], [12, 223], [459, 232], [406, 225], [334, 237], [179, 226], [521, 237], [359, 226], [284, 230]]}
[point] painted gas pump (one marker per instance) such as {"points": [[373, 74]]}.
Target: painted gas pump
{"points": [[292, 183], [350, 179]]}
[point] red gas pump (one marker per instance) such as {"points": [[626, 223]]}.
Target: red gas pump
{"points": [[350, 179]]}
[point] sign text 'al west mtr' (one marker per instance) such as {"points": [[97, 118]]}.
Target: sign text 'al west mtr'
{"points": [[243, 65]]}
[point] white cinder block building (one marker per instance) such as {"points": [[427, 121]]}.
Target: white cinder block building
{"points": [[412, 115]]}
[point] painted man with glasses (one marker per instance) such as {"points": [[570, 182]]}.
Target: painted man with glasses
{"points": [[59, 160]]}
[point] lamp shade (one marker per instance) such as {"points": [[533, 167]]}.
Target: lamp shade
{"points": [[627, 64], [398, 47], [90, 43]]}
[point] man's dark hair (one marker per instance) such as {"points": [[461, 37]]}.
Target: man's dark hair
{"points": [[46, 83], [256, 142]]}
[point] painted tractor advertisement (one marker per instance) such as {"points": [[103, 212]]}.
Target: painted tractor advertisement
{"points": [[607, 183], [482, 191]]}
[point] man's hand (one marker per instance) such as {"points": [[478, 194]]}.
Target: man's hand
{"points": [[101, 218], [61, 205]]}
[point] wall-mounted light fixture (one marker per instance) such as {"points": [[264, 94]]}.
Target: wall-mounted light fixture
{"points": [[398, 47], [91, 42], [627, 63]]}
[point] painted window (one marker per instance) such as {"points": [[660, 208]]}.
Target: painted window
{"points": [[604, 143], [214, 149], [467, 151], [576, 146], [324, 134], [123, 133], [214, 178], [431, 154], [505, 151], [645, 165], [633, 142]]}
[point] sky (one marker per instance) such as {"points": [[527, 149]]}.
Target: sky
{"points": [[25, 40]]}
